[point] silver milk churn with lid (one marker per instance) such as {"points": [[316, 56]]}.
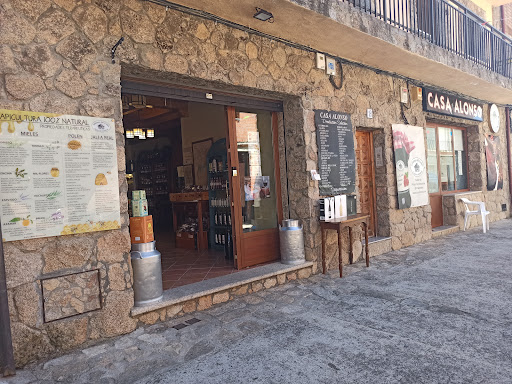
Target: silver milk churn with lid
{"points": [[291, 242], [147, 273]]}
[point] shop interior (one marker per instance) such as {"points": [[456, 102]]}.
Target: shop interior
{"points": [[176, 152]]}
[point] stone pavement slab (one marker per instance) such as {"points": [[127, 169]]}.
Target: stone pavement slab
{"points": [[438, 312]]}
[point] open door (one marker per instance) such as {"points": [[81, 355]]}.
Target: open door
{"points": [[253, 159]]}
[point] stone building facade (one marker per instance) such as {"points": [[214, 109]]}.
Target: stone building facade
{"points": [[55, 57]]}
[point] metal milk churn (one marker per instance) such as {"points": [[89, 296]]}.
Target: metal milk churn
{"points": [[291, 241], [147, 273]]}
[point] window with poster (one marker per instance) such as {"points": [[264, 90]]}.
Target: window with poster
{"points": [[447, 159]]}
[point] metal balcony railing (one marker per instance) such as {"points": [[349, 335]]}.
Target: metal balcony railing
{"points": [[449, 25]]}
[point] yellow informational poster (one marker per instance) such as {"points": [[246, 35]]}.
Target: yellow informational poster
{"points": [[58, 175]]}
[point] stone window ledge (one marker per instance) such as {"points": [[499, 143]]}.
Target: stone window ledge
{"points": [[218, 284]]}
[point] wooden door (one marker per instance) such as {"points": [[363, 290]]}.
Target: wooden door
{"points": [[255, 185], [366, 177], [436, 203]]}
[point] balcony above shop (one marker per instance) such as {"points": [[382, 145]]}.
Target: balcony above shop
{"points": [[437, 42]]}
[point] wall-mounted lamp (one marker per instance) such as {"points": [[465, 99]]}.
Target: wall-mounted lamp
{"points": [[263, 15]]}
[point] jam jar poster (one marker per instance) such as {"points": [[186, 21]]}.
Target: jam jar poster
{"points": [[410, 166]]}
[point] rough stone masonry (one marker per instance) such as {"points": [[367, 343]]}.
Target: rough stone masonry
{"points": [[55, 57], [433, 313]]}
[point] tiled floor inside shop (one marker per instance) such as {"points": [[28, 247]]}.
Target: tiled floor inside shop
{"points": [[186, 266]]}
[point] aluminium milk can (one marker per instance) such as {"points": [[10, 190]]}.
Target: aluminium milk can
{"points": [[147, 273], [291, 242]]}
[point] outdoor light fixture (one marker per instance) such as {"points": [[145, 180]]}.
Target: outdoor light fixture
{"points": [[142, 137], [130, 134], [138, 132], [263, 15], [150, 132]]}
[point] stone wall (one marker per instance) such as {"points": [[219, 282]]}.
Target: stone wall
{"points": [[55, 57]]}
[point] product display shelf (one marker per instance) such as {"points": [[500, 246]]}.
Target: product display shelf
{"points": [[153, 177], [218, 193]]}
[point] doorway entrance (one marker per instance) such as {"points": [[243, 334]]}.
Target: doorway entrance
{"points": [[255, 177], [211, 179], [447, 164], [366, 177]]}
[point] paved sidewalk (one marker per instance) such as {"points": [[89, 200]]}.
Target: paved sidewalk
{"points": [[438, 312]]}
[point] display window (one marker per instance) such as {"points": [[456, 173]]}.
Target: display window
{"points": [[446, 159], [447, 164]]}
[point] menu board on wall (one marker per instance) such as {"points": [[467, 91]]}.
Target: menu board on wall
{"points": [[58, 175], [336, 155], [410, 165]]}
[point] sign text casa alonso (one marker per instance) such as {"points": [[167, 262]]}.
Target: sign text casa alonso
{"points": [[451, 105]]}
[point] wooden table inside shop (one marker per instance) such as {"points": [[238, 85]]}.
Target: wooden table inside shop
{"points": [[197, 198], [338, 225]]}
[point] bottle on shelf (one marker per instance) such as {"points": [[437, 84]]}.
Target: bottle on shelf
{"points": [[228, 247]]}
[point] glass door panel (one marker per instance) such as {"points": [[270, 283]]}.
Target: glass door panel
{"points": [[433, 173], [447, 160], [254, 175], [256, 164], [461, 177]]}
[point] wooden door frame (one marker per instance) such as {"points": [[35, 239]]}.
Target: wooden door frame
{"points": [[277, 169], [438, 160], [235, 192], [373, 187]]}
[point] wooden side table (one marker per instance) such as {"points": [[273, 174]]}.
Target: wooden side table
{"points": [[338, 225], [199, 199]]}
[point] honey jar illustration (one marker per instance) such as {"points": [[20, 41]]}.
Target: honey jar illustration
{"points": [[101, 179]]}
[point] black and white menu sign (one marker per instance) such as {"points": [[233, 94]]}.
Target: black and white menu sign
{"points": [[336, 155]]}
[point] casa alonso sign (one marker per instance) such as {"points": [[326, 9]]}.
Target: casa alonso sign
{"points": [[451, 105]]}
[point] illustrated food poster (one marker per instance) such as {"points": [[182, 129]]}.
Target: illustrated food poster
{"points": [[493, 160], [410, 165], [58, 175]]}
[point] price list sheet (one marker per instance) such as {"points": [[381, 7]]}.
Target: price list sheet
{"points": [[58, 175], [336, 155]]}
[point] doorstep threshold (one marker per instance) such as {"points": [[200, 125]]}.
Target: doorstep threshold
{"points": [[376, 239], [444, 228], [217, 284]]}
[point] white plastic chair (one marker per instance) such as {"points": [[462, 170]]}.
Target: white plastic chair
{"points": [[480, 211]]}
